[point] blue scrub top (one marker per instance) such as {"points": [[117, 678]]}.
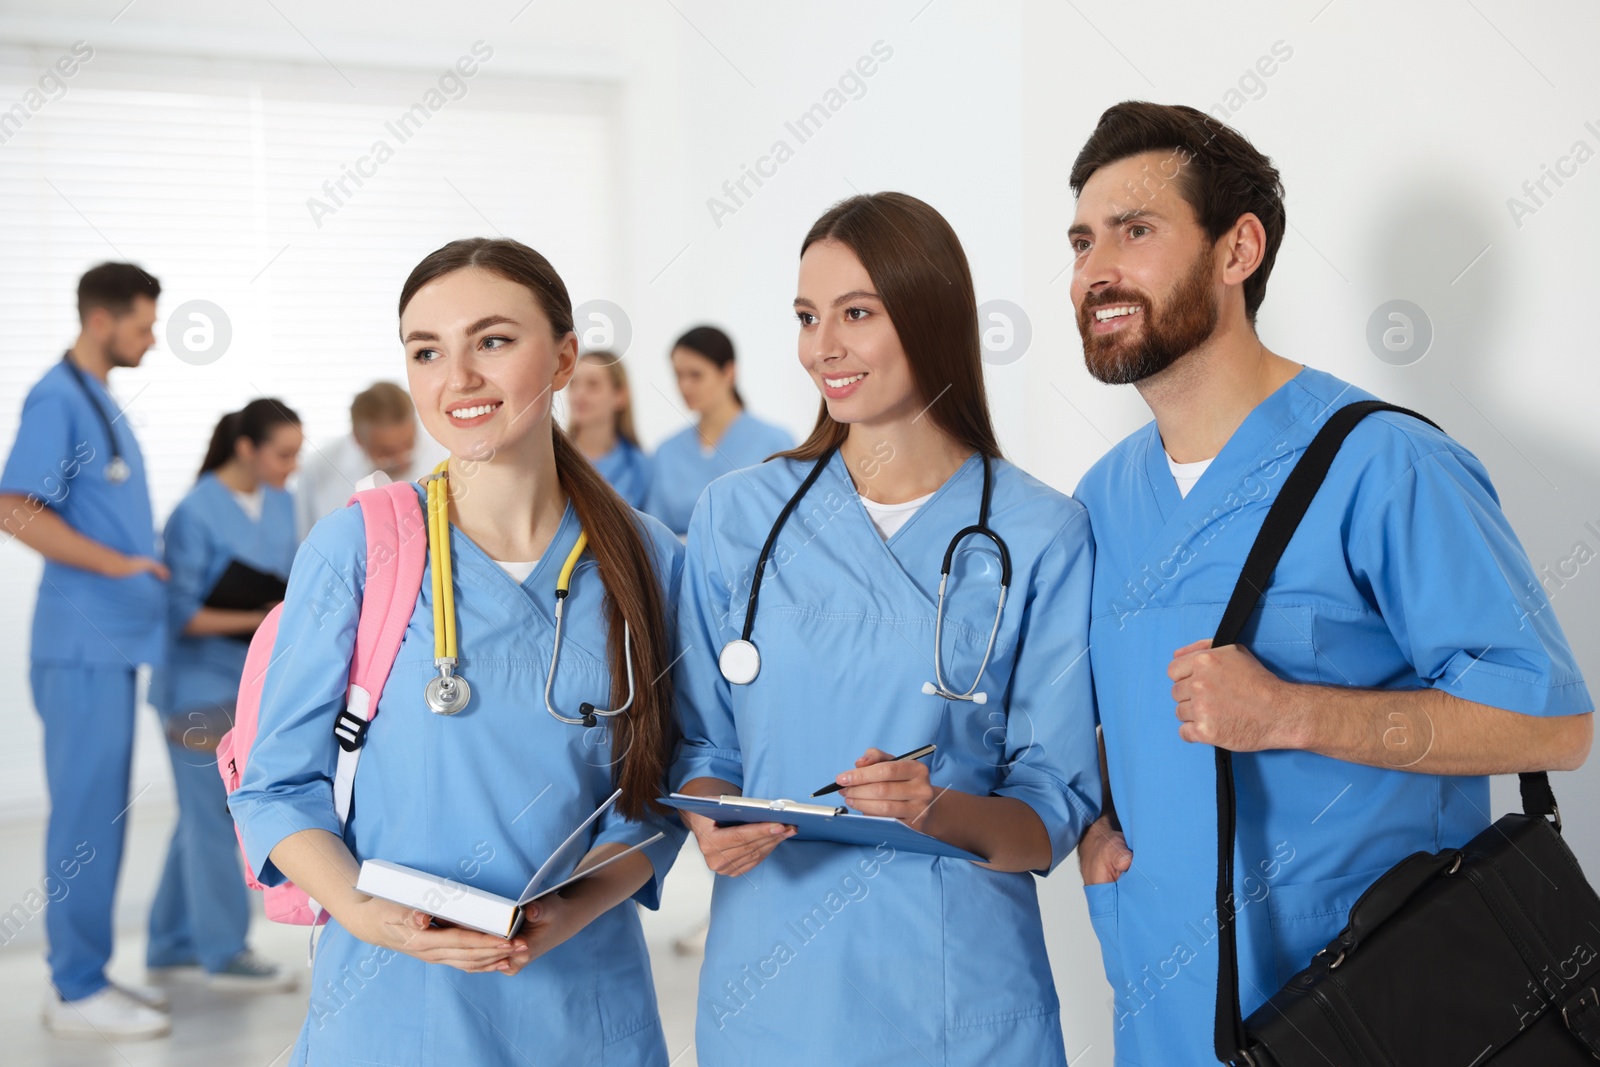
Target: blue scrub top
{"points": [[207, 531], [682, 469], [831, 953], [59, 460], [627, 468], [482, 797], [1403, 575]]}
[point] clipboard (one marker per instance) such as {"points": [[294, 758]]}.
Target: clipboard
{"points": [[820, 822], [245, 588]]}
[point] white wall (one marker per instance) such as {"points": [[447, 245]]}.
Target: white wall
{"points": [[1401, 132]]}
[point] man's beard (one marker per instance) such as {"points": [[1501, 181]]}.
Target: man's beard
{"points": [[118, 358], [1182, 324]]}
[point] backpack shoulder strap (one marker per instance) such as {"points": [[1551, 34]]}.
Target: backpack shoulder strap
{"points": [[397, 551]]}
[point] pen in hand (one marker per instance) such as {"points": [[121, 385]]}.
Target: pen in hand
{"points": [[916, 753]]}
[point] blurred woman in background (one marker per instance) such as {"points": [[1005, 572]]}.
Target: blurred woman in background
{"points": [[726, 438], [229, 544], [601, 425]]}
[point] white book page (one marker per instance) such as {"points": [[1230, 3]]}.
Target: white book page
{"points": [[565, 857], [583, 872]]}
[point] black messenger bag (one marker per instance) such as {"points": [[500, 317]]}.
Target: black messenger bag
{"points": [[1485, 954]]}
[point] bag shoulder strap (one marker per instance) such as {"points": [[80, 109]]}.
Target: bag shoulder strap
{"points": [[1294, 499], [397, 550]]}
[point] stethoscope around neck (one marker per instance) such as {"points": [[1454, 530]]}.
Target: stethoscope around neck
{"points": [[449, 692], [740, 660], [117, 469]]}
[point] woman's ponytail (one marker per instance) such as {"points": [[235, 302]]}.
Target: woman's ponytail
{"points": [[256, 420], [642, 739]]}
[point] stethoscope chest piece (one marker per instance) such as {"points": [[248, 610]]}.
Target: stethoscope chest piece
{"points": [[740, 662], [447, 694], [118, 471]]}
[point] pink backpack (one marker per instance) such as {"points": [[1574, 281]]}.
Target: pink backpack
{"points": [[397, 549]]}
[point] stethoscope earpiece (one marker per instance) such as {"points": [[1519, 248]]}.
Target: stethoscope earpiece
{"points": [[588, 715]]}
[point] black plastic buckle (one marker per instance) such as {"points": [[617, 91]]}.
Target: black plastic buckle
{"points": [[350, 731], [1582, 1016]]}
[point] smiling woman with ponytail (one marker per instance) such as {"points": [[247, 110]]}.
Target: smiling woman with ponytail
{"points": [[483, 796]]}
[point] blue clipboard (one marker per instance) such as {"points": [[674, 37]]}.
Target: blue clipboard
{"points": [[820, 822]]}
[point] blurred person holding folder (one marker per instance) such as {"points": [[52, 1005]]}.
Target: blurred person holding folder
{"points": [[228, 544], [887, 619], [530, 685]]}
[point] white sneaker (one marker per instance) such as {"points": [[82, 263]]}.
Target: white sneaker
{"points": [[693, 943], [110, 1013], [175, 972], [250, 973], [148, 995]]}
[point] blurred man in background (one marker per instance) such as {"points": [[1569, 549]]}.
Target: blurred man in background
{"points": [[74, 490], [383, 437]]}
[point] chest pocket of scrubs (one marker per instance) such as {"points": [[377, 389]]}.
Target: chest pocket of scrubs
{"points": [[971, 595], [1281, 636]]}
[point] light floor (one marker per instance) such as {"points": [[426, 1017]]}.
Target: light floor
{"points": [[211, 1027]]}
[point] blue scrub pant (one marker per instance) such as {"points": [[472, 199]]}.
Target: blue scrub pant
{"points": [[201, 912], [88, 714]]}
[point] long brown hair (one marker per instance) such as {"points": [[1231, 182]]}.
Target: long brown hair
{"points": [[920, 273], [619, 381], [633, 593]]}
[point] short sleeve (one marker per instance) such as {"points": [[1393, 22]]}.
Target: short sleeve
{"points": [[1052, 756], [42, 461], [287, 784], [709, 747], [1457, 591], [187, 552]]}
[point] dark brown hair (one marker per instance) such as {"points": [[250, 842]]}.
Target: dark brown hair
{"points": [[619, 380], [114, 286], [256, 420], [633, 593], [920, 272], [1219, 172], [713, 344]]}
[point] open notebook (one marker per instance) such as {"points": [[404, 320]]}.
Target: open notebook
{"points": [[477, 909]]}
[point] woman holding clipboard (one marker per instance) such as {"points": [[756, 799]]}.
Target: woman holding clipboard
{"points": [[228, 545], [482, 759], [890, 583]]}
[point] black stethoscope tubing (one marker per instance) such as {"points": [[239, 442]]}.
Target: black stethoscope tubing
{"points": [[116, 467]]}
